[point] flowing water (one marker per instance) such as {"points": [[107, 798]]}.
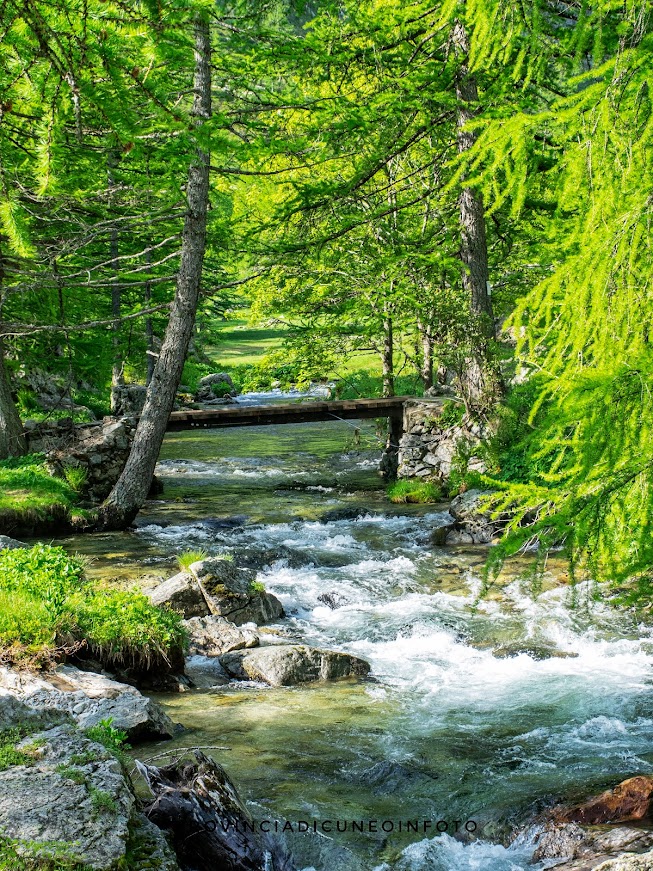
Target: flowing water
{"points": [[473, 718]]}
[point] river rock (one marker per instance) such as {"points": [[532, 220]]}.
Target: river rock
{"points": [[183, 593], [628, 862], [538, 651], [213, 636], [7, 543], [218, 385], [232, 593], [73, 794], [583, 848], [290, 664], [88, 698], [472, 520], [628, 801]]}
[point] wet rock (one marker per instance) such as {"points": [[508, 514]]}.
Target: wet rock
{"points": [[291, 664], [473, 519], [74, 794], [332, 600], [214, 636], [351, 513], [580, 849], [88, 698], [387, 777], [537, 651], [7, 543], [440, 535], [183, 593], [196, 802], [628, 801], [232, 593]]}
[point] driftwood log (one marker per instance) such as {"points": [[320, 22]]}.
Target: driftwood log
{"points": [[209, 826]]}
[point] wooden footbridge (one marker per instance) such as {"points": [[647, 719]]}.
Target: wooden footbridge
{"points": [[288, 412]]}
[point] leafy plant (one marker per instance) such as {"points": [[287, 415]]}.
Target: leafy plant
{"points": [[257, 587], [77, 477], [115, 740]]}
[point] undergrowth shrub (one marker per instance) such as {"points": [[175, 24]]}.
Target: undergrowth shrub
{"points": [[48, 608]]}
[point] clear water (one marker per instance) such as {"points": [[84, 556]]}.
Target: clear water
{"points": [[444, 729]]}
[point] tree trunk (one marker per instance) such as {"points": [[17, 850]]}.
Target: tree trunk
{"points": [[12, 440], [426, 366], [131, 489], [387, 355], [116, 299], [473, 242]]}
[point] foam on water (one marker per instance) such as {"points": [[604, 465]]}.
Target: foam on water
{"points": [[445, 853]]}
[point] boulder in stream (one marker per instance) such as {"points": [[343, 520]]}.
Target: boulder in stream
{"points": [[181, 593], [579, 849], [291, 664], [7, 543], [234, 594], [88, 698], [629, 801], [214, 636]]}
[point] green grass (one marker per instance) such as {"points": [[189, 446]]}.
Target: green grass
{"points": [[49, 608], [421, 492], [9, 755], [254, 356], [186, 559], [237, 342], [30, 497]]}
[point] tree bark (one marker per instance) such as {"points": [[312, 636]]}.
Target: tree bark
{"points": [[12, 439], [387, 355], [116, 299], [131, 489], [473, 241], [426, 364]]}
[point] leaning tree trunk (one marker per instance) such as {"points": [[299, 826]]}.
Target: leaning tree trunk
{"points": [[12, 440], [131, 489]]}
